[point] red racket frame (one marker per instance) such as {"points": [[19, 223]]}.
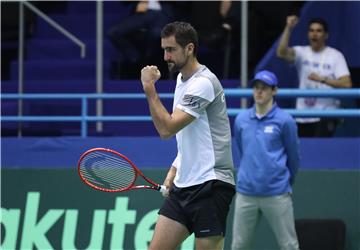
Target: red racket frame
{"points": [[131, 186]]}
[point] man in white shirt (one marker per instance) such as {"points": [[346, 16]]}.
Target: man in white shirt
{"points": [[200, 180], [319, 67]]}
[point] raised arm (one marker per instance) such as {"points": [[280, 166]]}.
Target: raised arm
{"points": [[166, 124], [283, 50]]}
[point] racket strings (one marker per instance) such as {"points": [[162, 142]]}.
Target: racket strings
{"points": [[109, 176], [106, 170]]}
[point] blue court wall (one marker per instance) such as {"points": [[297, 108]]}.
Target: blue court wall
{"points": [[152, 152]]}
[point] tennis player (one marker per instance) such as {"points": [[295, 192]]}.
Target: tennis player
{"points": [[201, 179]]}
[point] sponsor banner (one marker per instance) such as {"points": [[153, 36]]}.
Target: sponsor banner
{"points": [[53, 209]]}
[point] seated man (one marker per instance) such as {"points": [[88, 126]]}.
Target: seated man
{"points": [[135, 36]]}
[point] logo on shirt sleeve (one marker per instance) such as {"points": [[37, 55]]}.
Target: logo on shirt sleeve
{"points": [[191, 101]]}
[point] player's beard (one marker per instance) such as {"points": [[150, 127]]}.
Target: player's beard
{"points": [[176, 67]]}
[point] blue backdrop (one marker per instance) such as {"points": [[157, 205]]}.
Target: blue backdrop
{"points": [[152, 152]]}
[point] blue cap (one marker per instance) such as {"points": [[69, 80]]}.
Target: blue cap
{"points": [[267, 77]]}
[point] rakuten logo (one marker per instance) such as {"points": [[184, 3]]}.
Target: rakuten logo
{"points": [[34, 228]]}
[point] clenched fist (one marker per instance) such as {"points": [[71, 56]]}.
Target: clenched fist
{"points": [[291, 21], [149, 75]]}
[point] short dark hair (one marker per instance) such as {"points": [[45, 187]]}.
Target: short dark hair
{"points": [[184, 34], [320, 21]]}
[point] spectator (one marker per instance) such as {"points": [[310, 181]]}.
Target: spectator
{"points": [[137, 35], [218, 31], [200, 180], [319, 67], [267, 142], [213, 26]]}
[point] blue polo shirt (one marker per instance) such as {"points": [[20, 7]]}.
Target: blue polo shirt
{"points": [[269, 152]]}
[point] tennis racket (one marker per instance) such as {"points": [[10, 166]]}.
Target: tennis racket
{"points": [[109, 171]]}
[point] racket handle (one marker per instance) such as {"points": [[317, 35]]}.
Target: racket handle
{"points": [[163, 189]]}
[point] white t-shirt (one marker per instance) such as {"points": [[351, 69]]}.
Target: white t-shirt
{"points": [[154, 5], [328, 63], [204, 146]]}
